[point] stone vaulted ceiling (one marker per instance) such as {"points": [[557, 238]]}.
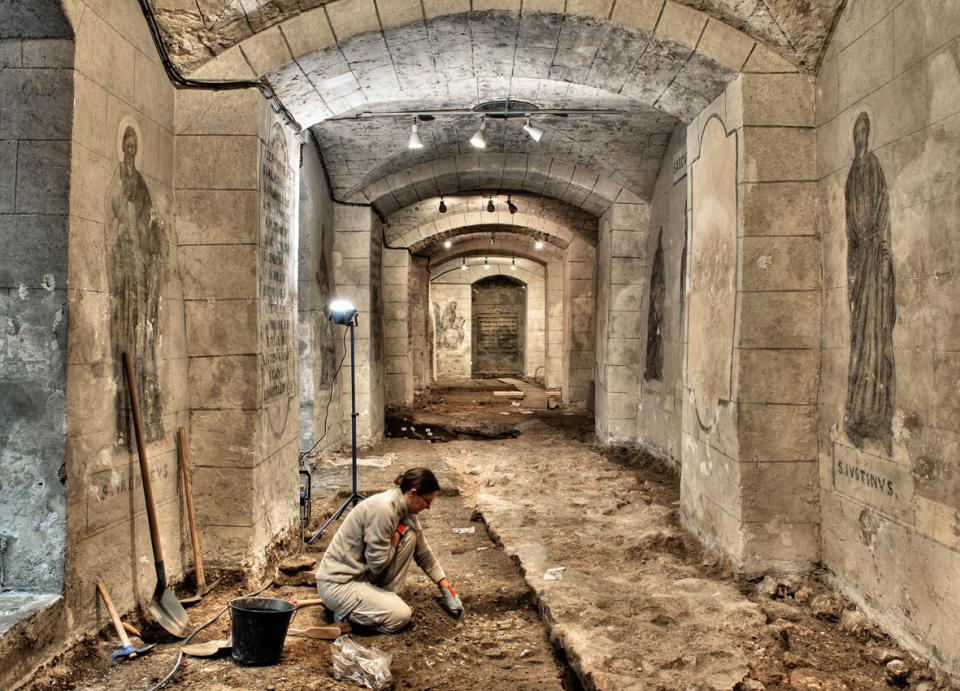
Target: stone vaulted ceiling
{"points": [[197, 30], [434, 55]]}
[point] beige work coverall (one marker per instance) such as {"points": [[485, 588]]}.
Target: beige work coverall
{"points": [[361, 572]]}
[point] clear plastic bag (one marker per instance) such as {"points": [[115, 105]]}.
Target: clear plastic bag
{"points": [[366, 667]]}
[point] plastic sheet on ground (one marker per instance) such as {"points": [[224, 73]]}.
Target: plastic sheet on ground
{"points": [[366, 667], [384, 461]]}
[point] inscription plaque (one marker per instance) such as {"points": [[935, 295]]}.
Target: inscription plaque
{"points": [[871, 480]]}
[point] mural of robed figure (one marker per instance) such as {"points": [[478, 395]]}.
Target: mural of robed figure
{"points": [[137, 261], [872, 293]]}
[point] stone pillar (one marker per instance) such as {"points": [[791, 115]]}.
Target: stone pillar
{"points": [[357, 275], [554, 314], [749, 483], [398, 370], [579, 276], [421, 339], [621, 279], [236, 188]]}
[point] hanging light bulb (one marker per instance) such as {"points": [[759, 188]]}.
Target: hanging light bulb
{"points": [[513, 264], [463, 266], [534, 132], [511, 206], [443, 207], [447, 244], [490, 206], [415, 142], [486, 263], [479, 138], [539, 244], [493, 238]]}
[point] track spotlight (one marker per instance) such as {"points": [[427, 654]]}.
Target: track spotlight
{"points": [[511, 205], [486, 263], [415, 142], [447, 244], [534, 132], [490, 206], [479, 138], [463, 266], [513, 264], [443, 206]]}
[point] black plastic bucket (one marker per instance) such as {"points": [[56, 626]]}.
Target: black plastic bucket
{"points": [[259, 628]]}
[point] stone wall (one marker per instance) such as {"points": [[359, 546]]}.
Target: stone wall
{"points": [[453, 344], [357, 263], [890, 482], [397, 323], [421, 335], [579, 282], [321, 345], [621, 326], [661, 373], [125, 293], [36, 78], [748, 479]]}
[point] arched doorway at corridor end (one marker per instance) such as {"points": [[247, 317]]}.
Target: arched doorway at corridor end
{"points": [[499, 305]]}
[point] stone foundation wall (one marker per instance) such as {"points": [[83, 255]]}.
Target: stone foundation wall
{"points": [[890, 482]]}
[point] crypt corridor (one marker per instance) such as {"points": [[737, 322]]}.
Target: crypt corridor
{"points": [[665, 290]]}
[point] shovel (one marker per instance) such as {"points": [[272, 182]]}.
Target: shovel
{"points": [[164, 607], [127, 652]]}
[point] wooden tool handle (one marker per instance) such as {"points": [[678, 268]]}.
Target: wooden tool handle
{"points": [[305, 603], [191, 511], [114, 617], [142, 455]]}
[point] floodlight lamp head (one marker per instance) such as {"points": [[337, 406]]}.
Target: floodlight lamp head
{"points": [[342, 312], [479, 138], [415, 142], [490, 206], [534, 132], [511, 206]]}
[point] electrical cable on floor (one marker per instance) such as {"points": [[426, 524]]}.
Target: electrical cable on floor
{"points": [[326, 412], [186, 641]]}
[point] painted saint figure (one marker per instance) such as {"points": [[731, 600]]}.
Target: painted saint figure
{"points": [[873, 310], [449, 326], [138, 256], [658, 289]]}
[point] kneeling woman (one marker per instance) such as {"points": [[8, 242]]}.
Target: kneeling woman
{"points": [[365, 566]]}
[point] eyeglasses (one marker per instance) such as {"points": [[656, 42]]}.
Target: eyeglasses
{"points": [[426, 501]]}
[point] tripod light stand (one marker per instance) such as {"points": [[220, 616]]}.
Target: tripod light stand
{"points": [[345, 314]]}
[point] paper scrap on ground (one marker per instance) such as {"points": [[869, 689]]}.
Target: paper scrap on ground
{"points": [[464, 531], [554, 574]]}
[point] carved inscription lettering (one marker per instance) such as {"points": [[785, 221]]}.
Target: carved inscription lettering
{"points": [[276, 338]]}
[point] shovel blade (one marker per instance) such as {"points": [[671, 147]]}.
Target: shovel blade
{"points": [[167, 611]]}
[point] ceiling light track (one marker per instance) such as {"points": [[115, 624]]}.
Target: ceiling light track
{"points": [[575, 112]]}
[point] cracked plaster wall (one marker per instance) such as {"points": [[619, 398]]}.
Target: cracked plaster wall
{"points": [[37, 79], [896, 551]]}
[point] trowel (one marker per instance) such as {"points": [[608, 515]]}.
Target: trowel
{"points": [[164, 607]]}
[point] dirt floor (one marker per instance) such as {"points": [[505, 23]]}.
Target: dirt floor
{"points": [[637, 604]]}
